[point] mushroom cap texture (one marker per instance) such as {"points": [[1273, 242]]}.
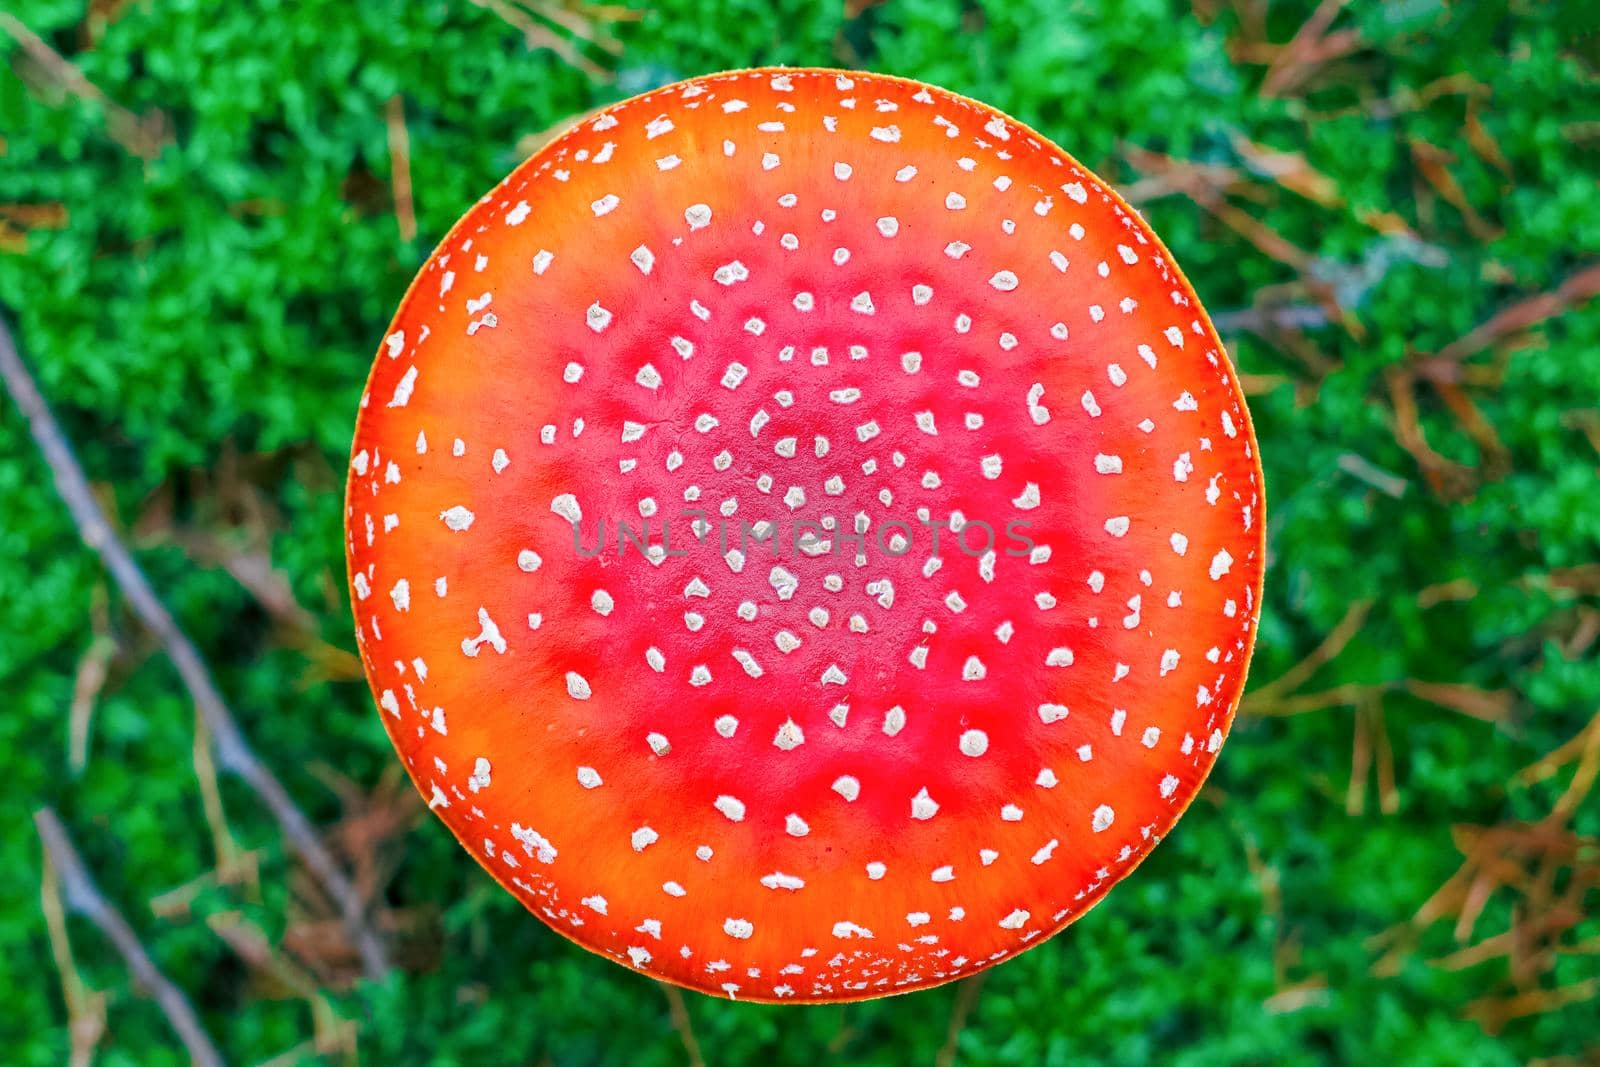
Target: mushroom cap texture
{"points": [[863, 763]]}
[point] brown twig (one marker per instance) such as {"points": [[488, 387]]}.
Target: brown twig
{"points": [[1447, 372], [1211, 187], [1576, 289], [99, 17], [1297, 62], [84, 898], [1164, 175], [1404, 101], [1546, 870], [1486, 705], [846, 1033], [18, 220], [369, 837], [1447, 478], [93, 668], [960, 1012], [405, 211], [233, 752], [1433, 163], [86, 1008], [680, 1022], [234, 864], [1288, 169], [1483, 143], [536, 35], [584, 23], [333, 1035], [1584, 752], [1292, 994], [235, 534], [142, 136], [1297, 675]]}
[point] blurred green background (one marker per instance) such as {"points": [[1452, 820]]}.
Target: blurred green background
{"points": [[208, 212]]}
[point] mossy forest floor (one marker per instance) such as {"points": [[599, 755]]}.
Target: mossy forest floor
{"points": [[207, 213]]}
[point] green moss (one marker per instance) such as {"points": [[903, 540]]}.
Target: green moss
{"points": [[223, 299]]}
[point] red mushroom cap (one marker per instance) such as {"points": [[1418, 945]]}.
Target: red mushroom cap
{"points": [[867, 763]]}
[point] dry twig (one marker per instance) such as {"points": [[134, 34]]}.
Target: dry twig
{"points": [[18, 220], [1297, 675], [99, 17], [681, 1023], [1433, 163], [405, 211], [1312, 47], [966, 1000], [1576, 290], [139, 135], [368, 838], [1448, 373], [83, 898], [93, 668], [537, 35], [1546, 870], [277, 975], [1371, 752], [1281, 311], [232, 751], [1448, 479], [1292, 994], [86, 1008]]}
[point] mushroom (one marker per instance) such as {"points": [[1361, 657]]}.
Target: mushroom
{"points": [[805, 535]]}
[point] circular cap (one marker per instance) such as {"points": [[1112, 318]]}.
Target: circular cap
{"points": [[805, 535]]}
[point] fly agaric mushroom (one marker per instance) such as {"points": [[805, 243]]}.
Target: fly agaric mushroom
{"points": [[805, 535]]}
